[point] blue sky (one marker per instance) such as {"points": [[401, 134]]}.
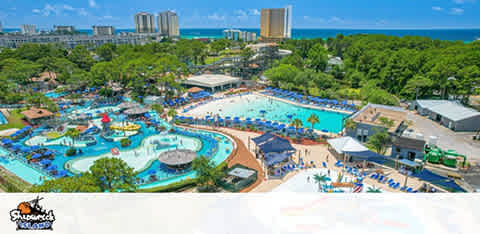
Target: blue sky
{"points": [[362, 14]]}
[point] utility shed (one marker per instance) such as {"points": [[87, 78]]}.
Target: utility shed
{"points": [[450, 114]]}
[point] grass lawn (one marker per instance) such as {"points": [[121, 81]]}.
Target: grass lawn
{"points": [[210, 60], [14, 121]]}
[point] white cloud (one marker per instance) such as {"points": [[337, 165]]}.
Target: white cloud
{"points": [[456, 11], [68, 7], [463, 1], [254, 12], [92, 3], [58, 9], [436, 8], [82, 12], [215, 16], [241, 14], [335, 19]]}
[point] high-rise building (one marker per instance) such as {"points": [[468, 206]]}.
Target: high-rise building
{"points": [[168, 24], [1, 29], [63, 28], [276, 23], [237, 35], [103, 30], [144, 23], [28, 29]]}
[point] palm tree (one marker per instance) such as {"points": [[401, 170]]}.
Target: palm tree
{"points": [[350, 124], [320, 179], [73, 133], [313, 119], [373, 190], [297, 123], [171, 113]]}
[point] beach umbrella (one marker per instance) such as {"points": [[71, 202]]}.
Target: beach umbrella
{"points": [[16, 147], [48, 153], [263, 111], [45, 161], [248, 119], [25, 149], [7, 141], [257, 119], [228, 118], [289, 116], [62, 173], [152, 172], [35, 156], [344, 102], [147, 115], [52, 167], [325, 130]]}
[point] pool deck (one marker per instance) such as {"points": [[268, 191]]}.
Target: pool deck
{"points": [[316, 153], [303, 105]]}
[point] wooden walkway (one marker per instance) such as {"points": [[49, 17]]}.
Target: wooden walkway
{"points": [[241, 155]]}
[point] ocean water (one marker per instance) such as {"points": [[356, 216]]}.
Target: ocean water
{"points": [[466, 35]]}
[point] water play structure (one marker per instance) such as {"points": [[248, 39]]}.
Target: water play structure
{"points": [[128, 127], [434, 154]]}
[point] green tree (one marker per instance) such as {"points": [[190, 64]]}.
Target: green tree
{"points": [[81, 56], [113, 174], [317, 57], [320, 179], [379, 142], [208, 176], [313, 119], [297, 123], [417, 86], [158, 108], [85, 183], [106, 52], [171, 113], [73, 133]]}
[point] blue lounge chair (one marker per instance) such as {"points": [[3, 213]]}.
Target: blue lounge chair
{"points": [[389, 181], [409, 190], [416, 191], [396, 185], [372, 175], [403, 188], [381, 178], [324, 164]]}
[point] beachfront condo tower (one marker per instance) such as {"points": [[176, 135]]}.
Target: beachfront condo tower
{"points": [[103, 30], [168, 24], [28, 29], [144, 23], [276, 23]]}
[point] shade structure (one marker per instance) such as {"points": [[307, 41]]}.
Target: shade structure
{"points": [[346, 144], [48, 153], [136, 111], [177, 158], [52, 167], [35, 156], [276, 145], [263, 138], [127, 105], [275, 158]]}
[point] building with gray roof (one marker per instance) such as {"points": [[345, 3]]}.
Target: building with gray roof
{"points": [[450, 114]]}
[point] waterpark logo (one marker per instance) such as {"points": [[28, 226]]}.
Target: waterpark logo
{"points": [[31, 216]]}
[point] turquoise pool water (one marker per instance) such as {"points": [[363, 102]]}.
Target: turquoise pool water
{"points": [[251, 105], [214, 145], [55, 95], [3, 120], [22, 170]]}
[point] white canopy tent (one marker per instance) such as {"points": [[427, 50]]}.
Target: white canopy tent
{"points": [[346, 144]]}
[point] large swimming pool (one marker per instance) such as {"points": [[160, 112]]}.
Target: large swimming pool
{"points": [[253, 105]]}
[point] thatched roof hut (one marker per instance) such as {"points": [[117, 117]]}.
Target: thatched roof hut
{"points": [[177, 158]]}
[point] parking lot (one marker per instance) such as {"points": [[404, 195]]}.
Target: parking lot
{"points": [[447, 139]]}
